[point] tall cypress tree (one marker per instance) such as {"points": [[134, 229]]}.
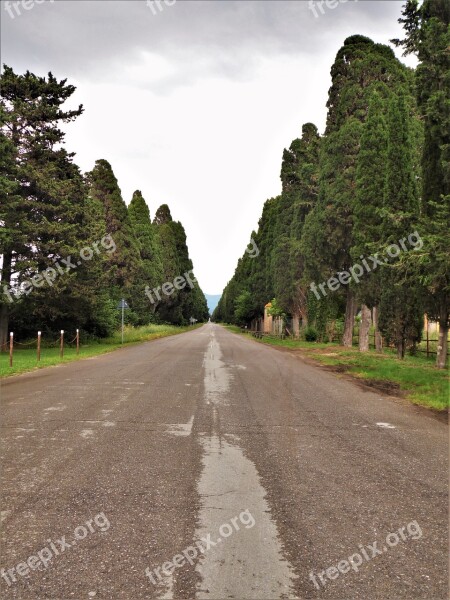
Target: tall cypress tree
{"points": [[299, 177], [124, 263], [361, 66], [367, 211], [181, 304], [427, 29], [151, 270], [401, 317]]}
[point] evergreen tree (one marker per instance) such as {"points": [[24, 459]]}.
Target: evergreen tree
{"points": [[181, 304], [299, 177], [360, 68], [42, 207], [151, 270], [427, 29], [401, 310], [99, 313], [367, 210], [124, 264]]}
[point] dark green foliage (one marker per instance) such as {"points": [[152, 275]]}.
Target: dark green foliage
{"points": [[150, 271], [401, 309], [42, 209], [277, 269], [427, 29], [190, 301], [49, 213], [349, 195], [311, 334], [245, 309], [124, 262], [369, 200]]}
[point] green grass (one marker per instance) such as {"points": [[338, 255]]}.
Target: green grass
{"points": [[26, 359], [416, 376]]}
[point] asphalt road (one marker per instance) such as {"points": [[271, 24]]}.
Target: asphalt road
{"points": [[207, 465]]}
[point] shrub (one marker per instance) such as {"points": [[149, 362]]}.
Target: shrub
{"points": [[311, 334]]}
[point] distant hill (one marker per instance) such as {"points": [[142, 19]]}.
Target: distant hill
{"points": [[213, 301]]}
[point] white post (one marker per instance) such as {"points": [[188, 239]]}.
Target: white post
{"points": [[11, 348], [123, 313]]}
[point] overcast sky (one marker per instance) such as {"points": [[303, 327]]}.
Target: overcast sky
{"points": [[193, 104]]}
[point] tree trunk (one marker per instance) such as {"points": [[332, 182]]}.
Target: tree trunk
{"points": [[296, 325], [350, 313], [378, 336], [401, 349], [3, 327], [4, 308], [442, 349], [366, 320]]}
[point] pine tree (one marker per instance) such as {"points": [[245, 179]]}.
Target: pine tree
{"points": [[43, 204]]}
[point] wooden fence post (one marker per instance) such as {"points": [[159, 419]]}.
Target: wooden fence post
{"points": [[61, 346], [78, 342], [39, 347]]}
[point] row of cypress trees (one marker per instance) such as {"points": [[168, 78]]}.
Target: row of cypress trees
{"points": [[50, 211], [378, 174]]}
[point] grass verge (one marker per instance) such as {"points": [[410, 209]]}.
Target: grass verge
{"points": [[26, 359], [415, 378]]}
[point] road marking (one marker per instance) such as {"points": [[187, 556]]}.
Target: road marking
{"points": [[55, 408], [386, 425], [250, 562]]}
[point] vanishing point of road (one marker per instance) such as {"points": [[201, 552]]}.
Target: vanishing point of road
{"points": [[207, 465]]}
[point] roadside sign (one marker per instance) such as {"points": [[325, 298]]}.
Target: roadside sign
{"points": [[122, 306]]}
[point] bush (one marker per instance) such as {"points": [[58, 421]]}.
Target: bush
{"points": [[311, 334]]}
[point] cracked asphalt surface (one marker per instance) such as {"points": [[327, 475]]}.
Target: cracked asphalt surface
{"points": [[139, 455]]}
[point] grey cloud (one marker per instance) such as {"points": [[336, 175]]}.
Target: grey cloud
{"points": [[201, 38]]}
